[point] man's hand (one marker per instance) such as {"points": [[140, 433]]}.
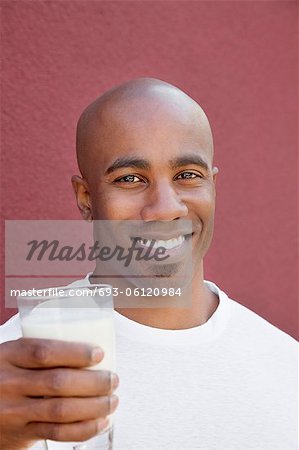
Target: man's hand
{"points": [[78, 400]]}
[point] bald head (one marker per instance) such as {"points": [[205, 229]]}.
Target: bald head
{"points": [[132, 106]]}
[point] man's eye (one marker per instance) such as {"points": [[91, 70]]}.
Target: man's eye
{"points": [[188, 176], [128, 179]]}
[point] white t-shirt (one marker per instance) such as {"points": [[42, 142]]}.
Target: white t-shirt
{"points": [[229, 384]]}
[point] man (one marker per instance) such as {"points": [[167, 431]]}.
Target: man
{"points": [[210, 375]]}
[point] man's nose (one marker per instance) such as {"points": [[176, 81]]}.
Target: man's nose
{"points": [[163, 203]]}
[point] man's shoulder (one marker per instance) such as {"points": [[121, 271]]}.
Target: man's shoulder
{"points": [[259, 329], [247, 323]]}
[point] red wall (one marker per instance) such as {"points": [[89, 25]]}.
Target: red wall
{"points": [[238, 59]]}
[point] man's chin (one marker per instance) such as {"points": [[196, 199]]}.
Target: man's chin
{"points": [[163, 276], [165, 270]]}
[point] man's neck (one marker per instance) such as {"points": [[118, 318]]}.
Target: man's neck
{"points": [[196, 314], [190, 312]]}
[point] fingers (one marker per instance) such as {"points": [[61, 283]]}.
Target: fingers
{"points": [[68, 410], [79, 399], [42, 353], [58, 383], [78, 431]]}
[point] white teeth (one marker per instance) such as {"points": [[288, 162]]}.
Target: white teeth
{"points": [[168, 244]]}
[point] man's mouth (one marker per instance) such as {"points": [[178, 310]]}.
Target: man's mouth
{"points": [[168, 244]]}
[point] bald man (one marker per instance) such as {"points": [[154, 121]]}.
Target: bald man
{"points": [[210, 375]]}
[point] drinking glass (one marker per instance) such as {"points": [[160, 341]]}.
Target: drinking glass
{"points": [[77, 314]]}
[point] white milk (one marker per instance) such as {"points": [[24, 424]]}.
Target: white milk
{"points": [[92, 325]]}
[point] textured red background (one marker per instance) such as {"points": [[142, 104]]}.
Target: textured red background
{"points": [[238, 59]]}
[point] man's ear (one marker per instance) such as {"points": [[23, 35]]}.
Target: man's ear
{"points": [[215, 171], [81, 190]]}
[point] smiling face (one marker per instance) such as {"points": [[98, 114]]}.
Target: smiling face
{"points": [[145, 152]]}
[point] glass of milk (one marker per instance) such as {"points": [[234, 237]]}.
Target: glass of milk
{"points": [[77, 314]]}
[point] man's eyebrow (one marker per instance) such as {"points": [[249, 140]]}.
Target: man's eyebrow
{"points": [[128, 161], [186, 160]]}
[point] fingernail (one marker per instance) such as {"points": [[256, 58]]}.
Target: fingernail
{"points": [[114, 380], [113, 403], [102, 424], [97, 354]]}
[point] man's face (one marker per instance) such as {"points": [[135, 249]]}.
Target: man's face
{"points": [[153, 164]]}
